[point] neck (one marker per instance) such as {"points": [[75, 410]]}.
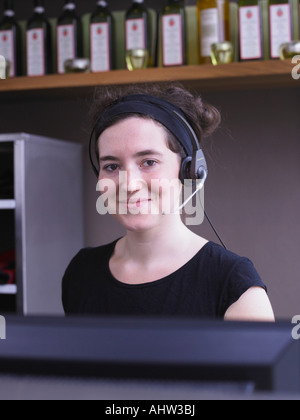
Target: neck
{"points": [[159, 242]]}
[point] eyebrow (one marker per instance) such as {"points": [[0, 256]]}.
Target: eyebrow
{"points": [[138, 154]]}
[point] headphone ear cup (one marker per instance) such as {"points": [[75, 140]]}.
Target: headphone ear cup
{"points": [[185, 170]]}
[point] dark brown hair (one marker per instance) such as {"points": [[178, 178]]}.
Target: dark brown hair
{"points": [[203, 118]]}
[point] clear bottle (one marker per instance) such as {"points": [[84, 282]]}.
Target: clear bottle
{"points": [[213, 26], [69, 36], [10, 40], [102, 38], [38, 42], [250, 30], [280, 25], [173, 30], [137, 27]]}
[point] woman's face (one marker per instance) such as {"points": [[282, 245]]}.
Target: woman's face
{"points": [[139, 172]]}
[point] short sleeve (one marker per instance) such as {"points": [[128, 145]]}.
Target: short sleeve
{"points": [[241, 278]]}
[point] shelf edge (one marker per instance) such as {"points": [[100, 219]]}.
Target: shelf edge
{"points": [[223, 76]]}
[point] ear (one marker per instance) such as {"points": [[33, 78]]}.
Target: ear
{"points": [[185, 170]]}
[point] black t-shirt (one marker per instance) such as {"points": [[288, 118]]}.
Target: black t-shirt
{"points": [[206, 286]]}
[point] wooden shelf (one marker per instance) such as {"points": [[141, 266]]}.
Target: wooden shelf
{"points": [[248, 75]]}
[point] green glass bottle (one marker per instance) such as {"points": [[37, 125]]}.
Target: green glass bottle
{"points": [[69, 36], [10, 40], [137, 27], [280, 25], [250, 30], [213, 26], [173, 34], [38, 42], [102, 38]]}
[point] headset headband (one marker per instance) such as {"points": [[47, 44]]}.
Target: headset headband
{"points": [[160, 110]]}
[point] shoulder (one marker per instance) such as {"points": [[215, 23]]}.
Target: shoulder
{"points": [[82, 271], [89, 255], [231, 275], [225, 260]]}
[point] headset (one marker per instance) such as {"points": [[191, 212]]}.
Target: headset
{"points": [[193, 165]]}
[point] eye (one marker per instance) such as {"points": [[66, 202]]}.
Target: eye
{"points": [[149, 163], [111, 168]]}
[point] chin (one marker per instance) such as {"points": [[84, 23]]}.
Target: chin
{"points": [[138, 223]]}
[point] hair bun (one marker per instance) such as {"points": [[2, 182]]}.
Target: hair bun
{"points": [[209, 116]]}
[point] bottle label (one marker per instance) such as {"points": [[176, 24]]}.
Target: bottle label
{"points": [[135, 34], [100, 47], [172, 40], [250, 33], [280, 27], [209, 30], [7, 49], [65, 46], [35, 52]]}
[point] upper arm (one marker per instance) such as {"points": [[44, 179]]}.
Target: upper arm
{"points": [[253, 305]]}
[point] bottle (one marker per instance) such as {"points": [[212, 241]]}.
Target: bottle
{"points": [[69, 36], [101, 38], [250, 30], [173, 34], [280, 25], [213, 26], [38, 42], [10, 40], [137, 27]]}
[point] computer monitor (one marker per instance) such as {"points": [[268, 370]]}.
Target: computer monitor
{"points": [[261, 354]]}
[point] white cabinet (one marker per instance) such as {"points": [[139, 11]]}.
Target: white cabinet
{"points": [[41, 218]]}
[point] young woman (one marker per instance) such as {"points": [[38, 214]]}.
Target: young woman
{"points": [[145, 135]]}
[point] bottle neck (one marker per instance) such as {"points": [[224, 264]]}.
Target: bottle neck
{"points": [[9, 9], [39, 8]]}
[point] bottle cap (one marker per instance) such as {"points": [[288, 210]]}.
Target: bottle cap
{"points": [[77, 65], [102, 3], [69, 5]]}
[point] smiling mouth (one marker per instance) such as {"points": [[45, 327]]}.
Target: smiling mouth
{"points": [[136, 203]]}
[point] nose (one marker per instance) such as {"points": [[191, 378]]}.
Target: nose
{"points": [[130, 180]]}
